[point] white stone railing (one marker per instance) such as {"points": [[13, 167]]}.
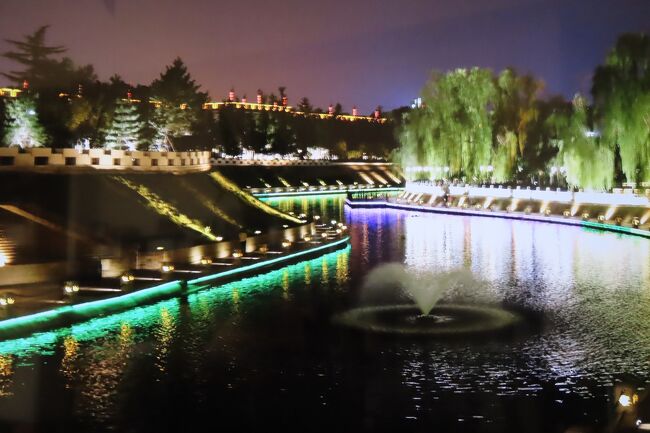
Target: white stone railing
{"points": [[272, 162], [296, 162], [49, 159], [619, 197], [323, 188]]}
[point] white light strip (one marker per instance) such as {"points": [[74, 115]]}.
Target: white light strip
{"points": [[606, 198], [497, 214]]}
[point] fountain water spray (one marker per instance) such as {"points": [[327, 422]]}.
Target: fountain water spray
{"points": [[425, 318], [424, 288]]}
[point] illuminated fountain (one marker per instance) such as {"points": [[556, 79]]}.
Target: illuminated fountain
{"points": [[425, 316]]}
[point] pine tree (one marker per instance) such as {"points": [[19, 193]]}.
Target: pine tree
{"points": [[22, 125], [125, 128], [34, 55], [179, 104]]}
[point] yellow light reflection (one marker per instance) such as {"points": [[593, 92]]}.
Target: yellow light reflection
{"points": [[6, 375], [285, 284], [164, 337], [307, 274], [70, 354], [125, 338], [341, 268], [324, 272], [99, 380], [235, 297]]}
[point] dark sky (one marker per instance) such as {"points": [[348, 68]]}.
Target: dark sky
{"points": [[363, 52]]}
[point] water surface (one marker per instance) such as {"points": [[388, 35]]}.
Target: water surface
{"points": [[262, 353]]}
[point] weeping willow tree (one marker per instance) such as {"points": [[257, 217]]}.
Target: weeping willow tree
{"points": [[452, 132], [505, 156], [588, 160], [621, 91], [514, 112]]}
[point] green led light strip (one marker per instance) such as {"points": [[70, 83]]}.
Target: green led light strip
{"points": [[149, 315], [615, 228], [62, 316], [325, 192], [86, 310]]}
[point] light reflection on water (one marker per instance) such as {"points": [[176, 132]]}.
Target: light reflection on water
{"points": [[97, 359], [588, 293], [328, 207], [593, 289]]}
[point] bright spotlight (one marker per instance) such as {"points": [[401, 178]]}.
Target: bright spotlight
{"points": [[625, 400]]}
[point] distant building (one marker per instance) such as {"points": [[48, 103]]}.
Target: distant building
{"points": [[9, 92], [417, 103]]}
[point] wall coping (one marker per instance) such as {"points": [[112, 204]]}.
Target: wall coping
{"points": [[46, 159], [618, 197], [292, 163]]}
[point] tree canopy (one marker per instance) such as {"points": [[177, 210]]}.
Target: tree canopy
{"points": [[477, 126], [471, 125], [621, 90], [22, 126], [125, 128], [588, 162]]}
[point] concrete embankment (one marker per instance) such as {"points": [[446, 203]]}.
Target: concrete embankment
{"points": [[613, 212], [73, 218], [67, 224]]}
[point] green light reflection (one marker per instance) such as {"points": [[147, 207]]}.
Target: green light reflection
{"points": [[164, 315]]}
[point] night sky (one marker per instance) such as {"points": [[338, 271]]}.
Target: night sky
{"points": [[363, 52]]}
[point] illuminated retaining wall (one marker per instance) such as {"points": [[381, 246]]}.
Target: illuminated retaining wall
{"points": [[626, 197], [194, 254], [376, 204], [68, 314], [13, 275], [66, 160], [630, 207]]}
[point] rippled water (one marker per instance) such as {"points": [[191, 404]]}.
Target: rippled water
{"points": [[262, 354]]}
